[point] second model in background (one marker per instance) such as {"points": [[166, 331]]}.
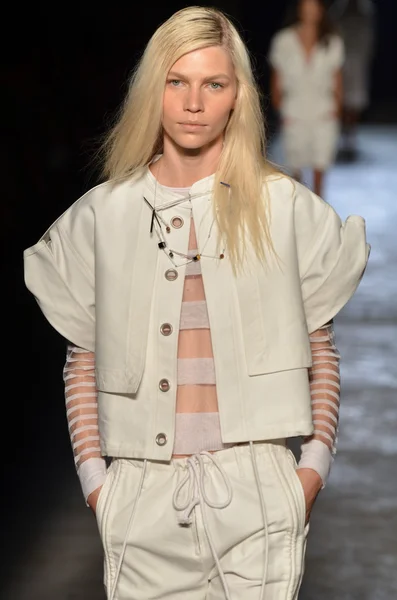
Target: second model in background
{"points": [[306, 58]]}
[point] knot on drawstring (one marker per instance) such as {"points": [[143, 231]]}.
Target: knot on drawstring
{"points": [[185, 519], [197, 495], [195, 479]]}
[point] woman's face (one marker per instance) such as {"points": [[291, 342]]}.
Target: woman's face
{"points": [[199, 96], [310, 11]]}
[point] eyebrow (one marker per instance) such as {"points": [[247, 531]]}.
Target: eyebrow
{"points": [[210, 78]]}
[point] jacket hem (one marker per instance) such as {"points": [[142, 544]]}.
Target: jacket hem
{"points": [[302, 428]]}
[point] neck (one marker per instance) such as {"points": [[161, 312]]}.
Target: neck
{"points": [[308, 27], [179, 167]]}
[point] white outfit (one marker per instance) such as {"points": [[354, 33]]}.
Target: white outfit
{"points": [[310, 129], [230, 525], [213, 527]]}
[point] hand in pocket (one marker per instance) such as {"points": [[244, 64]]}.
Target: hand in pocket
{"points": [[311, 483], [92, 499]]}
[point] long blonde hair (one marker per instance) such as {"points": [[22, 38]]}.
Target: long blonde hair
{"points": [[242, 211]]}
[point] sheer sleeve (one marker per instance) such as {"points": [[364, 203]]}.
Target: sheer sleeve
{"points": [[82, 417], [324, 375]]}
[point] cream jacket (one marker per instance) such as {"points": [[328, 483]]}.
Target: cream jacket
{"points": [[101, 281]]}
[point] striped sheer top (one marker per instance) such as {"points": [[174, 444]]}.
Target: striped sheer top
{"points": [[197, 419]]}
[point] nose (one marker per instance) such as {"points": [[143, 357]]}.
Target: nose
{"points": [[193, 100]]}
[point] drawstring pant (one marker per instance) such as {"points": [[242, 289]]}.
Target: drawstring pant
{"points": [[223, 526]]}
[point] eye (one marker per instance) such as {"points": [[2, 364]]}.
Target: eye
{"points": [[215, 86], [175, 82]]}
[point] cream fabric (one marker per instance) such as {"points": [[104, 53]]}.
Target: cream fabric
{"points": [[261, 361], [169, 535], [197, 418]]}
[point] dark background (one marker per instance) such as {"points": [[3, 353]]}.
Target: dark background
{"points": [[67, 71], [65, 74]]}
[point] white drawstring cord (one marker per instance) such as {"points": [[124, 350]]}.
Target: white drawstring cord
{"points": [[197, 495], [264, 515], [131, 519], [199, 489]]}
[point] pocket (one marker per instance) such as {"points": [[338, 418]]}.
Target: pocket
{"points": [[273, 322], [104, 493], [298, 491], [104, 516]]}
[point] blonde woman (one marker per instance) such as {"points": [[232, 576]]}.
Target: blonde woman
{"points": [[196, 288], [306, 89]]}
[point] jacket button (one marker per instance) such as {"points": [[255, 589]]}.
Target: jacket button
{"points": [[177, 222], [166, 329], [164, 385], [171, 274], [161, 439]]}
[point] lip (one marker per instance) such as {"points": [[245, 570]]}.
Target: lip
{"points": [[191, 124]]}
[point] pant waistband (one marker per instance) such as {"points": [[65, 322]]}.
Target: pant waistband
{"points": [[224, 455]]}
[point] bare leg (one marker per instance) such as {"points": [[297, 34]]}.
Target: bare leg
{"points": [[318, 182]]}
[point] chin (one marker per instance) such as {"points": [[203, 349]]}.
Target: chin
{"points": [[193, 145]]}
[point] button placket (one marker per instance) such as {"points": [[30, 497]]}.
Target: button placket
{"points": [[169, 295]]}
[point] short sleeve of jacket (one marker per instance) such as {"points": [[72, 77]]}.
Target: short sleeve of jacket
{"points": [[276, 51], [59, 272], [332, 254], [337, 52]]}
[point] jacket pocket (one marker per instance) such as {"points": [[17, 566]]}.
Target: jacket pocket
{"points": [[274, 328]]}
